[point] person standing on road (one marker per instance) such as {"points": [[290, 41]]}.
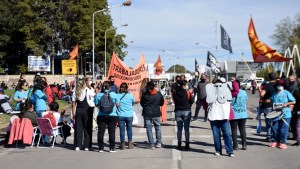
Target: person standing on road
{"points": [[218, 99], [281, 124], [253, 85], [291, 87], [90, 110], [151, 101], [125, 114], [266, 105], [201, 98], [79, 113], [183, 101], [113, 87], [296, 116], [239, 106], [106, 118]]}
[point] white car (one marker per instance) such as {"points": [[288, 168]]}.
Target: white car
{"points": [[246, 84]]}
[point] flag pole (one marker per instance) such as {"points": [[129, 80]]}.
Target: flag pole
{"points": [[242, 56]]}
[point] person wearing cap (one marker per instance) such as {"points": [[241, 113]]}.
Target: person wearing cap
{"points": [[266, 105], [280, 125]]}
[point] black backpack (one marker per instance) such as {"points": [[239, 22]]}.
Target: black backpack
{"points": [[106, 104]]}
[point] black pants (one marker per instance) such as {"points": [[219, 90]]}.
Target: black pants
{"points": [[293, 125], [89, 126], [81, 129], [253, 89], [110, 122], [241, 124], [200, 103]]}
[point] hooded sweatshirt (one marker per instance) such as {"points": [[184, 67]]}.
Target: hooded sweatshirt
{"points": [[151, 102], [183, 99]]}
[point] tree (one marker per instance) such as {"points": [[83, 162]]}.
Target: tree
{"points": [[37, 26], [287, 33], [178, 69]]}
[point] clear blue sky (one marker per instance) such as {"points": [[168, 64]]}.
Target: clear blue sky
{"points": [[171, 28]]}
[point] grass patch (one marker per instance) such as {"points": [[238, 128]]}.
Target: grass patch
{"points": [[4, 121], [4, 118]]}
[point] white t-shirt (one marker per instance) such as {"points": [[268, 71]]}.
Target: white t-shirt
{"points": [[86, 91], [56, 115]]}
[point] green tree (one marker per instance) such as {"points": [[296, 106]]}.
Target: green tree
{"points": [[287, 33], [178, 69], [37, 26]]}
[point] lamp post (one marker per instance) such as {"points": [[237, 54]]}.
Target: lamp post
{"points": [[105, 45], [126, 3]]}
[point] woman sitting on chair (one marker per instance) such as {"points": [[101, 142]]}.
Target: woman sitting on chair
{"points": [[27, 111], [280, 125]]}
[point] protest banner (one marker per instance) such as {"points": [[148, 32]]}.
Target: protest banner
{"points": [[133, 77]]}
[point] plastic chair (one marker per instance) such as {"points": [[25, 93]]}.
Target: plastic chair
{"points": [[45, 127]]}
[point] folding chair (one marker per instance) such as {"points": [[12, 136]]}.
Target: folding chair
{"points": [[34, 134], [45, 127]]}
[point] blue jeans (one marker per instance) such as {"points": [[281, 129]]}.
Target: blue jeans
{"points": [[267, 121], [125, 122], [183, 118], [148, 125], [281, 130], [222, 125]]}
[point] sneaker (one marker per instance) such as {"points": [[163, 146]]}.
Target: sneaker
{"points": [[158, 145], [217, 154], [273, 144], [101, 151], [86, 149], [152, 148], [296, 144], [77, 149], [231, 155], [282, 146], [112, 150]]}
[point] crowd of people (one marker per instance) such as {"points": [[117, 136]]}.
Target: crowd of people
{"points": [[224, 104]]}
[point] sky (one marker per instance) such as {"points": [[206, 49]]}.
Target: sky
{"points": [[181, 31]]}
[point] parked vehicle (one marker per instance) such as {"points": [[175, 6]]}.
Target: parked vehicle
{"points": [[246, 84]]}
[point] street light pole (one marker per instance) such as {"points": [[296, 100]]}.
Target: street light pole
{"points": [[105, 45], [126, 3]]}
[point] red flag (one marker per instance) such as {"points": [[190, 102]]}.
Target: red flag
{"points": [[260, 51], [74, 53], [158, 67]]}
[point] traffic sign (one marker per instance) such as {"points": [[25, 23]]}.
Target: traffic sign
{"points": [[69, 67]]}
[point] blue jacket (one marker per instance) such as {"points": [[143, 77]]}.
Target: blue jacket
{"points": [[284, 97], [239, 105], [125, 108], [115, 99]]}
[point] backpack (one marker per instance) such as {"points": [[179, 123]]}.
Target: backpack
{"points": [[106, 104], [52, 119]]}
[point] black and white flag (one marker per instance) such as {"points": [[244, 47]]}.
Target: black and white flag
{"points": [[225, 40], [213, 63]]}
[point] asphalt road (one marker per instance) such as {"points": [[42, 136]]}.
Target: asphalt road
{"points": [[258, 155]]}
